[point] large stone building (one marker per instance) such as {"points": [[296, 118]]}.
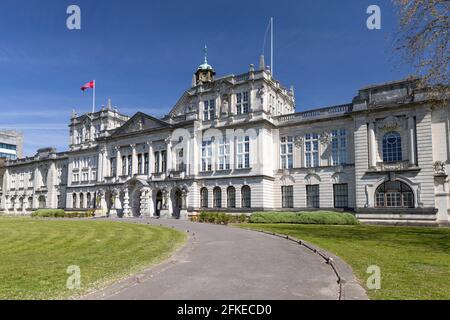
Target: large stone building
{"points": [[236, 144]]}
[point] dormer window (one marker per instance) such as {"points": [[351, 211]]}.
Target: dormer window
{"points": [[209, 110], [243, 103]]}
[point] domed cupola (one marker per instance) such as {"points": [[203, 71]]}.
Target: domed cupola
{"points": [[205, 72]]}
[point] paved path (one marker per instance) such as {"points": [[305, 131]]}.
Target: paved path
{"points": [[230, 263]]}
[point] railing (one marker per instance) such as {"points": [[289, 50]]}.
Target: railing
{"points": [[317, 114]]}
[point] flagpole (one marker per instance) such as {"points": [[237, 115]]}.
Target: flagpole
{"points": [[93, 98]]}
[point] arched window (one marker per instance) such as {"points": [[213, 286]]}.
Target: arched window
{"points": [[30, 203], [246, 197], [204, 197], [42, 202], [392, 147], [394, 194], [81, 201], [217, 193], [231, 197], [74, 201]]}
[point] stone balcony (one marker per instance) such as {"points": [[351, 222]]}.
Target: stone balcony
{"points": [[393, 167], [324, 113]]}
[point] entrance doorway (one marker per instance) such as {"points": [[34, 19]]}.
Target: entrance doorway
{"points": [[158, 203], [177, 203]]}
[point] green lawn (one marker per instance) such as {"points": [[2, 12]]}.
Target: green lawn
{"points": [[35, 254], [414, 262]]}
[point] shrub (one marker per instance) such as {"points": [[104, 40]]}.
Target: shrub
{"points": [[59, 213], [219, 218], [319, 217]]}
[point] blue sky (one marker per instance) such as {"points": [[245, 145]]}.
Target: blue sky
{"points": [[143, 54]]}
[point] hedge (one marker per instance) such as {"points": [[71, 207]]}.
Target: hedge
{"points": [[319, 217], [221, 218], [59, 213]]}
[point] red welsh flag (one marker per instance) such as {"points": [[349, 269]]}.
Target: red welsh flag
{"points": [[89, 85]]}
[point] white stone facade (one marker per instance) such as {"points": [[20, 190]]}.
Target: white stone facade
{"points": [[235, 144]]}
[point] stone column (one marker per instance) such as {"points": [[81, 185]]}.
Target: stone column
{"points": [[101, 206], [100, 166], [169, 156], [151, 159], [412, 141], [118, 162], [133, 160], [126, 203], [372, 146]]}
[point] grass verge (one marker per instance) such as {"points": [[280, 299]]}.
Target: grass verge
{"points": [[414, 262], [35, 254]]}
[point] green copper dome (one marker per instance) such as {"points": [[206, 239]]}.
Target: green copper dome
{"points": [[205, 65]]}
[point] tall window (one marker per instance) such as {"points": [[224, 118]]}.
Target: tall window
{"points": [[209, 109], [339, 146], [81, 201], [243, 152], [392, 147], [312, 150], [140, 167], [231, 197], [180, 160], [340, 196], [246, 197], [217, 193], [163, 161], [287, 152], [74, 201], [243, 102], [394, 194], [287, 193], [157, 169], [207, 155], [130, 166], [113, 167], [312, 196], [124, 165], [224, 153], [204, 197], [146, 163]]}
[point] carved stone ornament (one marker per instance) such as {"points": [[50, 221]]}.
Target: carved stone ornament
{"points": [[260, 94], [439, 168], [298, 141], [389, 124], [325, 138]]}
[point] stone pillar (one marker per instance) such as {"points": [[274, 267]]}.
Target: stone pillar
{"points": [[101, 206], [412, 141], [100, 167], [151, 158], [165, 212], [145, 212], [118, 162], [134, 160], [372, 146], [169, 156], [126, 203], [183, 211]]}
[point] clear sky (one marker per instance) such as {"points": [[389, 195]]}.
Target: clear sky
{"points": [[143, 54]]}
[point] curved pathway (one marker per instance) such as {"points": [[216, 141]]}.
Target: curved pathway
{"points": [[224, 263]]}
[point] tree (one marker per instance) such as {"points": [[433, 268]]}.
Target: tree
{"points": [[424, 39]]}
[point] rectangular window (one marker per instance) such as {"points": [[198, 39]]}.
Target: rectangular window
{"points": [[339, 147], [140, 167], [312, 150], [157, 162], [180, 160], [130, 165], [163, 161], [209, 109], [124, 165], [340, 196], [113, 167], [224, 153], [288, 196], [146, 163], [243, 103], [207, 155], [94, 175], [312, 196], [287, 152], [243, 152]]}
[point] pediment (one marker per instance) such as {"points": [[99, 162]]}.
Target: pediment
{"points": [[140, 122]]}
